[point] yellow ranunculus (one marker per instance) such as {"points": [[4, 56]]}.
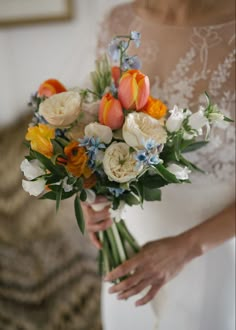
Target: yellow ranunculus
{"points": [[40, 139]]}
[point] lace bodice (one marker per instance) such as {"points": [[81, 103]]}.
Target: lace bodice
{"points": [[182, 63]]}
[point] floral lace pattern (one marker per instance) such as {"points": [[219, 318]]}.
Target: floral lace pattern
{"points": [[182, 63]]}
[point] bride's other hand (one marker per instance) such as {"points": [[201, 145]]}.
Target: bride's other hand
{"points": [[96, 220], [156, 264]]}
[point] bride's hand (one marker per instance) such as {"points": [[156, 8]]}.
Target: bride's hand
{"points": [[96, 220], [156, 264]]}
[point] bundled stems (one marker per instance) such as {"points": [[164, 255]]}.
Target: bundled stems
{"points": [[117, 246]]}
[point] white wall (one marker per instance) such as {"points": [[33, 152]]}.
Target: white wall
{"points": [[32, 54]]}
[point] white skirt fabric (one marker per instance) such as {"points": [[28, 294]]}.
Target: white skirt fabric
{"points": [[202, 296]]}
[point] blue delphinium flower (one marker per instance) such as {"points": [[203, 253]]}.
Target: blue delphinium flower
{"points": [[84, 142], [130, 62], [136, 37], [114, 50], [150, 154], [92, 145], [116, 191]]}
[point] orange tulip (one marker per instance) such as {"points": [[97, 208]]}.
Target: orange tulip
{"points": [[110, 112], [50, 87], [115, 72], [40, 139], [134, 90], [76, 159], [155, 108]]}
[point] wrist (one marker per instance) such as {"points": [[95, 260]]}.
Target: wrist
{"points": [[194, 247]]}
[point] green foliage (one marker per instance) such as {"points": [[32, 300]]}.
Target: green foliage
{"points": [[79, 214], [101, 78]]}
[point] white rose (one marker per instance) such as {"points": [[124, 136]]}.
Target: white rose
{"points": [[34, 188], [119, 164], [197, 120], [174, 122], [181, 173], [32, 169], [104, 133], [61, 109], [139, 127]]}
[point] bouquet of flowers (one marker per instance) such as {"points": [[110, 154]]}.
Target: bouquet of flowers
{"points": [[114, 140]]}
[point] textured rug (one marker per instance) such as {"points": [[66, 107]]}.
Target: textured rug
{"points": [[48, 271]]}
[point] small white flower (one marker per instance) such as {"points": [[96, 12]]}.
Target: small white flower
{"points": [[215, 117], [139, 127], [117, 214], [34, 188], [181, 173], [104, 133], [198, 120], [91, 196], [99, 157], [61, 109], [32, 169], [119, 164], [66, 187], [174, 122]]}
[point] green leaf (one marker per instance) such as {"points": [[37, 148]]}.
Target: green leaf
{"points": [[49, 195], [153, 181], [131, 199], [193, 146], [52, 178], [57, 148], [59, 170], [59, 195], [190, 165], [152, 194], [228, 119], [83, 195], [165, 174], [79, 214], [177, 144]]}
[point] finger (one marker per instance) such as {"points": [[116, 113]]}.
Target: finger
{"points": [[134, 290], [149, 296], [103, 225], [93, 216], [130, 282], [100, 199], [122, 270], [94, 239]]}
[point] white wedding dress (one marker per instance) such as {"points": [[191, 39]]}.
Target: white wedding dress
{"points": [[182, 63]]}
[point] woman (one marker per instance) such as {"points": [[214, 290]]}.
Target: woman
{"points": [[187, 48]]}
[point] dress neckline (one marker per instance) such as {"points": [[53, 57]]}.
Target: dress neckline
{"points": [[181, 27]]}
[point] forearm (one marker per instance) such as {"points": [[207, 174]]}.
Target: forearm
{"points": [[211, 233]]}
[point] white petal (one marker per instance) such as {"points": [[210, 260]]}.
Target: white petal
{"points": [[34, 188], [31, 169]]}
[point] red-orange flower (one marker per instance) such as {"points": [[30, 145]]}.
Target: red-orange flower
{"points": [[155, 108], [50, 87], [110, 112], [76, 159], [90, 182], [134, 90], [40, 139], [115, 72]]}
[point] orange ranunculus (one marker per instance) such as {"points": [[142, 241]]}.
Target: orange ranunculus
{"points": [[155, 108], [50, 87], [40, 139], [76, 159], [134, 90], [110, 112], [115, 72], [90, 182]]}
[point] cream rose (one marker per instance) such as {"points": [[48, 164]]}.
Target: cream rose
{"points": [[61, 109], [104, 133], [140, 127], [119, 163], [89, 114]]}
